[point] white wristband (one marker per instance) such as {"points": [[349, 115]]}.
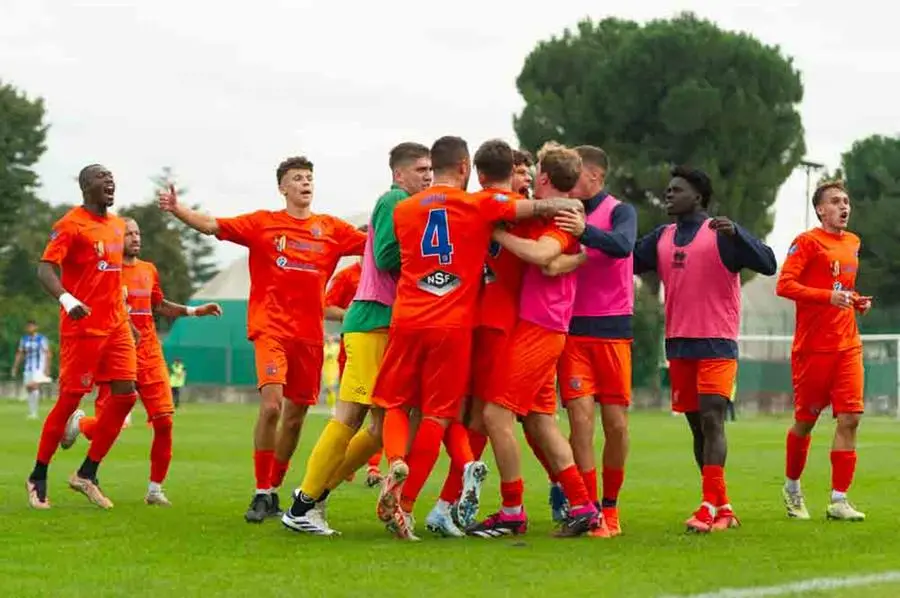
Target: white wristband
{"points": [[68, 302], [190, 310]]}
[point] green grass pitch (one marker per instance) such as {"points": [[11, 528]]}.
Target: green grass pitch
{"points": [[202, 547]]}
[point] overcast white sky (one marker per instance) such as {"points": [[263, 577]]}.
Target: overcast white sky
{"points": [[222, 94]]}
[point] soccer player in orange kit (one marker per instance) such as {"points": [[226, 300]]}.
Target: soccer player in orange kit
{"points": [[96, 337], [293, 253], [144, 297], [819, 275]]}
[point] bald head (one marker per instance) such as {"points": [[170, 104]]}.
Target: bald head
{"points": [[132, 247]]}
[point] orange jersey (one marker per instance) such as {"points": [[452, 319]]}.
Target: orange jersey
{"points": [[444, 235], [142, 294], [290, 263], [88, 250], [819, 263], [343, 286], [498, 306]]}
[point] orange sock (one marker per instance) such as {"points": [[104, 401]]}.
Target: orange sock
{"points": [[477, 442], [87, 425], [279, 470], [714, 485], [539, 453], [456, 439], [573, 486], [797, 451], [109, 424], [55, 425], [161, 449], [396, 433], [423, 454], [511, 493], [612, 484], [262, 468], [843, 466], [375, 460], [590, 483]]}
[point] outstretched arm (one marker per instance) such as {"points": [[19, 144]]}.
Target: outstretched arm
{"points": [[546, 208], [171, 309], [204, 223]]}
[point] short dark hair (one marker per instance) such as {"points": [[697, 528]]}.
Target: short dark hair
{"points": [[561, 164], [292, 163], [84, 175], [447, 152], [593, 155], [698, 179], [521, 157], [821, 188], [31, 323], [494, 160], [408, 151]]}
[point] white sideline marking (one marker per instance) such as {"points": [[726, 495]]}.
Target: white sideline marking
{"points": [[799, 587]]}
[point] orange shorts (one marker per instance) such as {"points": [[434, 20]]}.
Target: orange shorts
{"points": [[489, 361], [691, 378], [294, 364], [84, 360], [156, 397], [832, 379], [596, 367], [425, 368], [529, 385]]}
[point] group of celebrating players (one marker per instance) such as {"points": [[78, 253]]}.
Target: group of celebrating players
{"points": [[468, 314]]}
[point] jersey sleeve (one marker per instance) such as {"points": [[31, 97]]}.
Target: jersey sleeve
{"points": [[61, 239], [567, 242], [351, 240], [241, 230], [335, 291], [789, 281], [156, 293], [385, 247], [497, 207]]}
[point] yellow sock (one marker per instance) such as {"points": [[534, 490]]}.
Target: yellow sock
{"points": [[326, 456], [362, 446]]}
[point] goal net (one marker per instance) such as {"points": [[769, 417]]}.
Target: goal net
{"points": [[764, 374]]}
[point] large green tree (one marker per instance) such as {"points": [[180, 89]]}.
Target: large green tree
{"points": [[871, 170], [23, 133], [673, 91]]}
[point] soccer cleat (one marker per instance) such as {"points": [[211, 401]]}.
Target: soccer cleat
{"points": [[795, 504], [373, 477], [725, 519], [37, 494], [701, 521], [157, 498], [611, 520], [581, 521], [439, 521], [91, 489], [274, 505], [559, 504], [260, 507], [500, 524], [389, 497], [466, 508], [311, 522], [841, 510], [70, 435], [403, 525]]}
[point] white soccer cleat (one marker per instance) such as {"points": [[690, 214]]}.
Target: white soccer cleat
{"points": [[795, 504], [841, 510], [466, 509], [157, 498], [439, 521], [70, 435]]}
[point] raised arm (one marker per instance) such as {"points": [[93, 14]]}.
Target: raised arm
{"points": [[789, 285], [204, 223]]}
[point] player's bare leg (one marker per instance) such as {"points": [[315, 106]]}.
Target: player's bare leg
{"points": [[270, 406], [615, 453], [843, 466], [286, 440], [715, 512], [584, 516], [797, 450]]}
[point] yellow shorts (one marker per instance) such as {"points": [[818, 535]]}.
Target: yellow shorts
{"points": [[365, 351]]}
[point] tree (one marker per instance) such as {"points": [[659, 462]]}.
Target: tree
{"points": [[25, 245], [679, 91], [22, 137], [871, 170]]}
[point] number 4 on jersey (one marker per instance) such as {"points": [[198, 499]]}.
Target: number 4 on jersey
{"points": [[436, 238]]}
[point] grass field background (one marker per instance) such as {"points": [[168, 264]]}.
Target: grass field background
{"points": [[202, 547]]}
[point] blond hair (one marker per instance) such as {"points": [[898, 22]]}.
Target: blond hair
{"points": [[561, 164]]}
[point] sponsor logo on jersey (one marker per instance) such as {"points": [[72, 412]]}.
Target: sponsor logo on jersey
{"points": [[439, 283]]}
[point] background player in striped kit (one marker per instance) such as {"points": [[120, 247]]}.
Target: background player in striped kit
{"points": [[33, 354], [698, 259]]}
